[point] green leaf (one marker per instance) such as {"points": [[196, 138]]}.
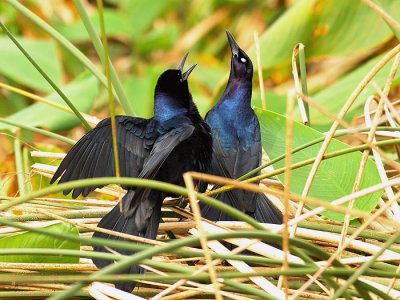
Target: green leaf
{"points": [[36, 240], [116, 22], [82, 92], [142, 14], [335, 177], [328, 29], [17, 67]]}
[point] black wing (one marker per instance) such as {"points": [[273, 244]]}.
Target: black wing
{"points": [[234, 163], [162, 149], [93, 156]]}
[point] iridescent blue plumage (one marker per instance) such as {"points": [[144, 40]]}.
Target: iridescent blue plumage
{"points": [[237, 142]]}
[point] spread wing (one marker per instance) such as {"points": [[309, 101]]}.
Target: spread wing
{"points": [[93, 156], [163, 147]]}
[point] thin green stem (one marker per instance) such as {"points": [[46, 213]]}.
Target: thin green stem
{"points": [[45, 76], [338, 133], [26, 169], [126, 104], [325, 156], [39, 131], [106, 64], [19, 164], [158, 185], [303, 77], [64, 42], [361, 270]]}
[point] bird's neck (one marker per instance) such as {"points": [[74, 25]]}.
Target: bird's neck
{"points": [[238, 92], [167, 107]]}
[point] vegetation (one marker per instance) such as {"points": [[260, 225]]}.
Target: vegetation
{"points": [[331, 157]]}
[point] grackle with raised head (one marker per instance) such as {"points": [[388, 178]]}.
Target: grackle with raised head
{"points": [[174, 141], [237, 142]]}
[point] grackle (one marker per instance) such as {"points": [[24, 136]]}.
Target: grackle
{"points": [[237, 142], [174, 141]]}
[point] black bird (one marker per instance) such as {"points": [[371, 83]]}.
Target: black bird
{"points": [[174, 141], [237, 142]]}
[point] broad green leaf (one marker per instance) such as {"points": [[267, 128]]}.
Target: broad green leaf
{"points": [[41, 241], [275, 102], [17, 67], [163, 38], [142, 13], [117, 25], [335, 177], [82, 92], [328, 29], [276, 44]]}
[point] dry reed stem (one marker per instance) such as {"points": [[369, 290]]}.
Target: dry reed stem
{"points": [[346, 243], [47, 266], [203, 234], [333, 205], [363, 162], [259, 247], [90, 119], [196, 289], [243, 267], [394, 214], [388, 18], [340, 116], [198, 271], [45, 154], [102, 291], [297, 84], [287, 186], [259, 69], [103, 230]]}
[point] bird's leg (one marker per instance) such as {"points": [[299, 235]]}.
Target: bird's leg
{"points": [[182, 202]]}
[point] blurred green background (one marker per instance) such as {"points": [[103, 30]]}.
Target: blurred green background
{"points": [[343, 39]]}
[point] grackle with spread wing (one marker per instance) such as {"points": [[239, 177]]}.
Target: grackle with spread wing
{"points": [[237, 142], [174, 141]]}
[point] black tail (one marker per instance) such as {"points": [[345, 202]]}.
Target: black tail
{"points": [[116, 221], [265, 211], [214, 214]]}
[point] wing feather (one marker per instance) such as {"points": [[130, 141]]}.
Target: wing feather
{"points": [[93, 156]]}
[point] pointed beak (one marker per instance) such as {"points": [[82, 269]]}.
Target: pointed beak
{"points": [[233, 44], [182, 62], [187, 73]]}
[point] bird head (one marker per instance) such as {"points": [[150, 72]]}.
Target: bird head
{"points": [[173, 82], [241, 65]]}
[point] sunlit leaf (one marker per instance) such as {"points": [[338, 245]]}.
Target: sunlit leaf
{"points": [[335, 177], [17, 67], [41, 241], [82, 92]]}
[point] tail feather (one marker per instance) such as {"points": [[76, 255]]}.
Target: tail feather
{"points": [[266, 212], [214, 214], [116, 221]]}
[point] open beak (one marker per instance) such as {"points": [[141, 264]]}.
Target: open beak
{"points": [[233, 44], [186, 74]]}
